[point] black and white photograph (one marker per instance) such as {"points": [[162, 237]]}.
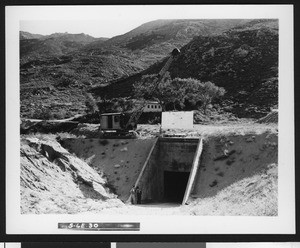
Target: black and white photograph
{"points": [[150, 113]]}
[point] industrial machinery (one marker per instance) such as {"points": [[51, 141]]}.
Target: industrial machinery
{"points": [[125, 124], [117, 125]]}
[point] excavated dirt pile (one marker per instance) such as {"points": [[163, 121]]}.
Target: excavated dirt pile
{"points": [[55, 181]]}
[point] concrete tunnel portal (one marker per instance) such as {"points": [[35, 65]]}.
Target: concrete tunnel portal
{"points": [[161, 166], [166, 174], [174, 185]]}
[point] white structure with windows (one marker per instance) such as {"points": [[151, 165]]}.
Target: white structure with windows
{"points": [[152, 107]]}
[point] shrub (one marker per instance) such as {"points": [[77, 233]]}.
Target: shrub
{"points": [[42, 113], [178, 93], [90, 103]]}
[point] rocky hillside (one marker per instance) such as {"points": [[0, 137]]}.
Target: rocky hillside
{"points": [[35, 46], [54, 72], [154, 40], [57, 70], [58, 84], [243, 60]]}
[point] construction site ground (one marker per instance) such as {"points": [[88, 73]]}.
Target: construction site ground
{"points": [[251, 191]]}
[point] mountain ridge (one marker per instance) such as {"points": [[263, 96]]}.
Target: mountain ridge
{"points": [[244, 61], [75, 67]]}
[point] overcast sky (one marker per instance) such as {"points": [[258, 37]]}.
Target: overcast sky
{"points": [[98, 21], [95, 28], [109, 21]]}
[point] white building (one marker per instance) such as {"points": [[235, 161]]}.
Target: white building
{"points": [[152, 107]]}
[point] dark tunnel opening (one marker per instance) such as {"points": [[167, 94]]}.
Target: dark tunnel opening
{"points": [[174, 185]]}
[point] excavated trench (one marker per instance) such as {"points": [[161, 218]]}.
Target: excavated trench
{"points": [[165, 176], [176, 169]]}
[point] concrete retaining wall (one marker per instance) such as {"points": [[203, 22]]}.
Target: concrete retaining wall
{"points": [[170, 154], [177, 154], [151, 182], [224, 161]]}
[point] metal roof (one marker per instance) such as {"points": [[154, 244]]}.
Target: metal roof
{"points": [[119, 113]]}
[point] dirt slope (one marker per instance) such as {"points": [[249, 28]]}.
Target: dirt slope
{"points": [[120, 161], [54, 181], [228, 159], [238, 173], [252, 196]]}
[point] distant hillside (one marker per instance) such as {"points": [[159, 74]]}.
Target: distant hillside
{"points": [[57, 70], [26, 35], [162, 30], [154, 40], [83, 38], [57, 44], [243, 60]]}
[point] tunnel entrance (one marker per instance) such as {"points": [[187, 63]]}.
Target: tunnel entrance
{"points": [[174, 185], [166, 172]]}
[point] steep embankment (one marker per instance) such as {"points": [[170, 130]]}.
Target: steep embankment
{"points": [[255, 195], [120, 161], [238, 176], [55, 181]]}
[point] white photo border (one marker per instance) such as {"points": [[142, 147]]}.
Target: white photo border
{"points": [[284, 223]]}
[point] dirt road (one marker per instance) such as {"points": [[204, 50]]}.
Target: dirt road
{"points": [[147, 209]]}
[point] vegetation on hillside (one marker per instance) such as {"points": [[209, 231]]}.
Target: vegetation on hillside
{"points": [[244, 61], [239, 55], [177, 93], [90, 103]]}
